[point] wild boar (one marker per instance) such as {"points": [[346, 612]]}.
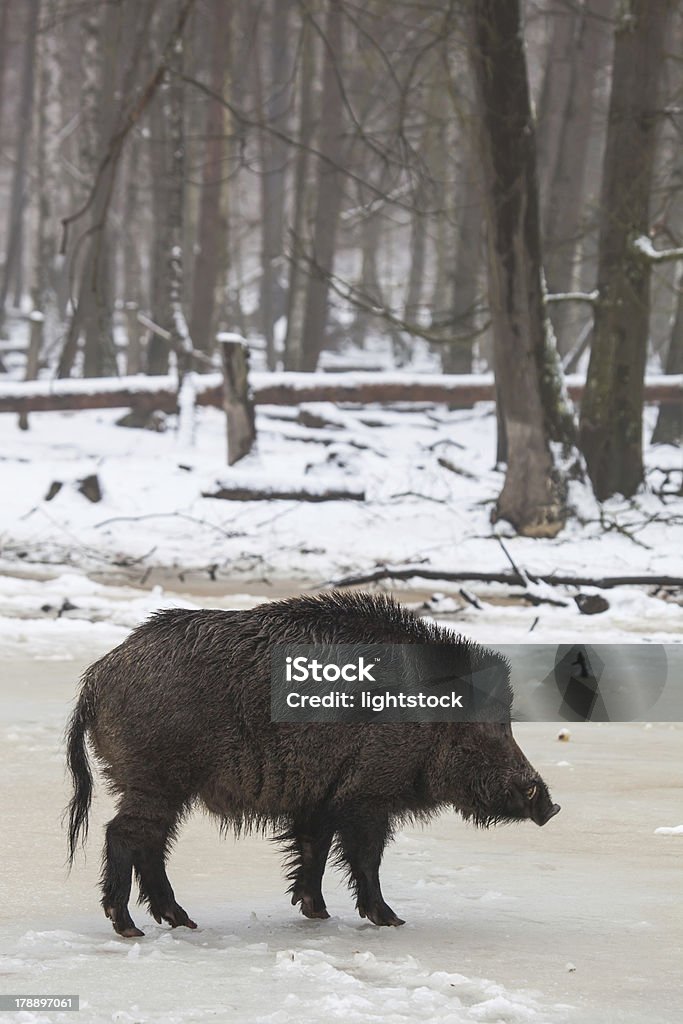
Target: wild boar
{"points": [[179, 715]]}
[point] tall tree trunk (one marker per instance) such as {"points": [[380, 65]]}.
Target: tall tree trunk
{"points": [[4, 22], [133, 276], [24, 117], [45, 316], [169, 174], [371, 236], [212, 233], [564, 205], [418, 257], [98, 309], [298, 277], [180, 341], [417, 247], [533, 498], [274, 156], [555, 91], [669, 426], [457, 358], [92, 314], [612, 407], [157, 346], [328, 189]]}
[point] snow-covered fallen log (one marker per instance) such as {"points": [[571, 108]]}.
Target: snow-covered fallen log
{"points": [[143, 392], [246, 487], [139, 392]]}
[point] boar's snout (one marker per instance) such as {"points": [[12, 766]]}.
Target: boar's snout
{"points": [[531, 799], [543, 813]]}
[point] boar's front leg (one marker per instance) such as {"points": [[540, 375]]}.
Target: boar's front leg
{"points": [[308, 846], [137, 837], [362, 838]]}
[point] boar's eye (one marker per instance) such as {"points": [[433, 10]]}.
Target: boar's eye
{"points": [[531, 792]]}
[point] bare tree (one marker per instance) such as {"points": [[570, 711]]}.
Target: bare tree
{"points": [[274, 160], [556, 87], [210, 266], [4, 48], [669, 426], [111, 56], [298, 276], [133, 243], [466, 270], [612, 407], [19, 178], [564, 209], [328, 189], [134, 97], [104, 42], [169, 172], [45, 315], [533, 497]]}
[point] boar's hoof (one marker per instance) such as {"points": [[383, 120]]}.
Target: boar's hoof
{"points": [[381, 914], [311, 906], [175, 916], [314, 913], [123, 923]]}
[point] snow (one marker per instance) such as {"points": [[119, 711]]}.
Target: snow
{"points": [[94, 385], [573, 296], [677, 830], [154, 525], [314, 485], [229, 338], [644, 246]]}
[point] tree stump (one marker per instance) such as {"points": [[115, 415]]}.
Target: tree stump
{"points": [[237, 399]]}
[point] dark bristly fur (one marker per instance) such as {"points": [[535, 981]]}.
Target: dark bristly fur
{"points": [[179, 714]]}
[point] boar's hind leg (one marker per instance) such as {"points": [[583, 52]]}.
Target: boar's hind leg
{"points": [[155, 888], [137, 838], [362, 839], [309, 843]]}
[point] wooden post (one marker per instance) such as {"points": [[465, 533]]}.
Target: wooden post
{"points": [[237, 398], [35, 347]]}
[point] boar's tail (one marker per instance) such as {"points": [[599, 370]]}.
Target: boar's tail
{"points": [[79, 767]]}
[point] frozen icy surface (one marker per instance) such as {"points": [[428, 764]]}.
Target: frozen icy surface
{"points": [[493, 918]]}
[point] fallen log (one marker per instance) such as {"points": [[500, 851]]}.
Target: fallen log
{"points": [[241, 489], [161, 393], [293, 494], [389, 388], [142, 393], [408, 572]]}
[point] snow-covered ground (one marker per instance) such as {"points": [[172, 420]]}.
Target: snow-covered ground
{"points": [[430, 485], [580, 921]]}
